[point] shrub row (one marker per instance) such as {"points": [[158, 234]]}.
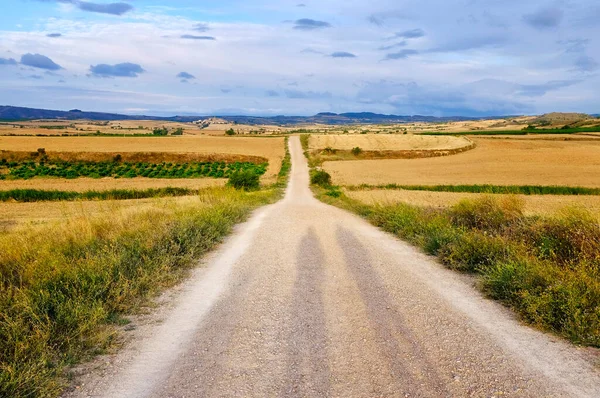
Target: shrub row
{"points": [[36, 195], [491, 189]]}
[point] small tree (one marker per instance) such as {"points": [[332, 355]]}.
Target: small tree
{"points": [[178, 131], [160, 132], [247, 180], [321, 178], [230, 132], [356, 151]]}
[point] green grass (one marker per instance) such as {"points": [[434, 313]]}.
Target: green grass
{"points": [[36, 195], [546, 269], [491, 189], [304, 139], [25, 170], [574, 130], [65, 288], [286, 167]]}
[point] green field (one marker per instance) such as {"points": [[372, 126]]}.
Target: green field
{"points": [[574, 130], [62, 169], [491, 189]]}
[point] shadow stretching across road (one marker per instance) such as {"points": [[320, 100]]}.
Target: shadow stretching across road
{"points": [[308, 364], [398, 344]]}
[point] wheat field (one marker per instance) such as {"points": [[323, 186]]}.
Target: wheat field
{"points": [[496, 162]]}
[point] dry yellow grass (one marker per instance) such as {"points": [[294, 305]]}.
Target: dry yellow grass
{"points": [[270, 148], [496, 162], [389, 142], [534, 204], [105, 184], [16, 215]]}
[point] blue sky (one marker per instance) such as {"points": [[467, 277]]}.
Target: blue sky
{"points": [[428, 57]]}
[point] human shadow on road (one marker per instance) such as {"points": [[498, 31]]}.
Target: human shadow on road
{"points": [[399, 344], [308, 366]]}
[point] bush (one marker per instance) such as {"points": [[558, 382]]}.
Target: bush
{"points": [[487, 213], [321, 178], [247, 180], [571, 237], [334, 193], [160, 132], [230, 132], [473, 252], [356, 151]]}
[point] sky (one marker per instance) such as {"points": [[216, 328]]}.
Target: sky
{"points": [[257, 57]]}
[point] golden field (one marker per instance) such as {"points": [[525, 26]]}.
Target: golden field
{"points": [[106, 184], [270, 148], [388, 142], [493, 161], [17, 215], [534, 204]]}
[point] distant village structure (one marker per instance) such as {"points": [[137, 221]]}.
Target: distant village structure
{"points": [[205, 123]]}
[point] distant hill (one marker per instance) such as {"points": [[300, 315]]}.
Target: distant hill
{"points": [[558, 119], [18, 113]]}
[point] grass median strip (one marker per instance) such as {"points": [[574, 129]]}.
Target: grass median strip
{"points": [[546, 268], [490, 189]]}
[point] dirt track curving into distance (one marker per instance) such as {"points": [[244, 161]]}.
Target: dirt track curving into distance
{"points": [[307, 300]]}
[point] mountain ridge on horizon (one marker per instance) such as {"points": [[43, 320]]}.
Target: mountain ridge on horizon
{"points": [[14, 113]]}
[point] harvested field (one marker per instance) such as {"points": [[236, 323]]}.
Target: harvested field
{"points": [[15, 215], [271, 148], [106, 184], [534, 204], [377, 142], [496, 162]]}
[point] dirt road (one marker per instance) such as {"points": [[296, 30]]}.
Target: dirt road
{"points": [[306, 300]]}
